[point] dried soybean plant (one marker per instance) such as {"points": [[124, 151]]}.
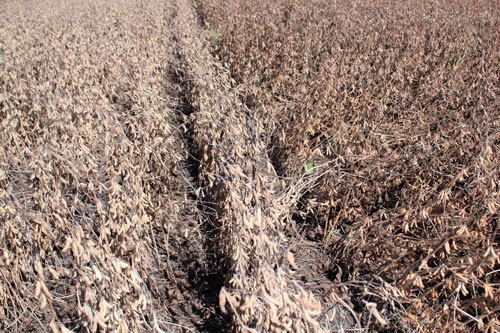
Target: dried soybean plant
{"points": [[90, 164], [401, 101], [262, 291]]}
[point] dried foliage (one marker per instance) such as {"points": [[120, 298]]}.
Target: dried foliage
{"points": [[91, 165], [335, 164], [262, 291], [400, 104]]}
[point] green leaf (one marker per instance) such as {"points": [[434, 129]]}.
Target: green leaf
{"points": [[167, 116], [310, 167]]}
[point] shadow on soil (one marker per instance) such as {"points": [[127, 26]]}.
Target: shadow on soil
{"points": [[202, 267]]}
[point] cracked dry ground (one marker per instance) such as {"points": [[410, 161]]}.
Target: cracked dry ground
{"points": [[136, 192]]}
